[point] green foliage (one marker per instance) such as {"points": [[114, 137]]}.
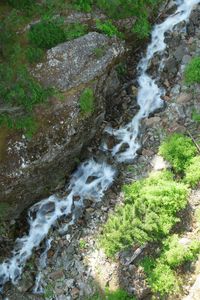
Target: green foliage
{"points": [[99, 52], [83, 5], [122, 9], [142, 28], [175, 254], [148, 214], [4, 210], [161, 278], [192, 172], [46, 34], [178, 150], [86, 101], [21, 4], [196, 116], [192, 71], [34, 54], [19, 88], [119, 294], [160, 272], [82, 244], [74, 31], [26, 124], [108, 28]]}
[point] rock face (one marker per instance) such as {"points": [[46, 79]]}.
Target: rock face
{"points": [[31, 169]]}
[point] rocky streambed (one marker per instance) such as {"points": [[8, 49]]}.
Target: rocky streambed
{"points": [[75, 266]]}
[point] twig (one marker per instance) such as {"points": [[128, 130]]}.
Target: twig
{"points": [[190, 135], [137, 252]]}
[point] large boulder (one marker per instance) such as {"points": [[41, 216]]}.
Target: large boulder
{"points": [[31, 169]]}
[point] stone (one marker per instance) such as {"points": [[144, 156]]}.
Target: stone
{"points": [[179, 53], [184, 98], [152, 121], [57, 275], [186, 59], [158, 163], [75, 293], [73, 62]]}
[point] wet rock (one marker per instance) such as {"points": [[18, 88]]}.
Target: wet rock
{"points": [[152, 121], [57, 275]]}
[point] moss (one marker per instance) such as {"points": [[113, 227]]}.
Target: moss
{"points": [[192, 71], [192, 172], [87, 101], [4, 210]]}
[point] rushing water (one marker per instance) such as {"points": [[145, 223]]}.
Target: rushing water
{"points": [[93, 178]]}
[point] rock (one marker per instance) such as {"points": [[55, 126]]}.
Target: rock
{"points": [[75, 293], [186, 59], [158, 163], [171, 66], [152, 121], [147, 152], [72, 63], [179, 53], [33, 169], [57, 275], [184, 98], [194, 293]]}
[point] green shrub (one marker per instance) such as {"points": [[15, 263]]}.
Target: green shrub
{"points": [[74, 31], [161, 278], [34, 54], [175, 254], [21, 4], [192, 172], [148, 214], [108, 28], [83, 5], [87, 101], [178, 150], [192, 71], [142, 28], [46, 34], [17, 87]]}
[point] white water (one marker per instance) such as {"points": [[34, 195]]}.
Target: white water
{"points": [[92, 178], [149, 94]]}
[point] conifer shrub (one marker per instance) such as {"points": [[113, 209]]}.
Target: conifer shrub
{"points": [[192, 71], [86, 101], [178, 150], [192, 172], [148, 215], [161, 278], [175, 253], [46, 34]]}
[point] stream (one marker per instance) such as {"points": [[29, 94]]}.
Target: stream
{"points": [[94, 177]]}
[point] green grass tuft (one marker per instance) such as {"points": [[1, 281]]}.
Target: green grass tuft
{"points": [[192, 71], [87, 101], [178, 150]]}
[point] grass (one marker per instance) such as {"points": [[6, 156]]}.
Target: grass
{"points": [[192, 71], [86, 101]]}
